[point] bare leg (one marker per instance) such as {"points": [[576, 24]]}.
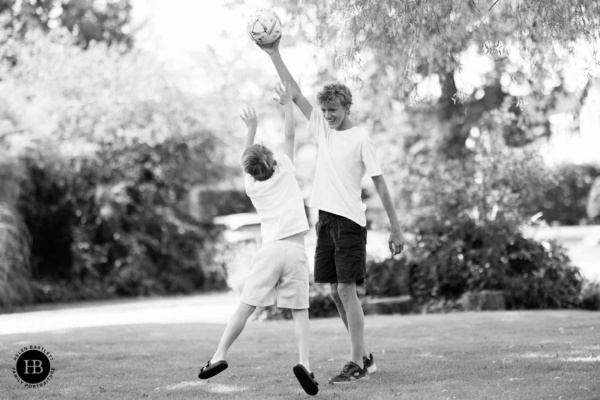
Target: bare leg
{"points": [[342, 310], [234, 327], [302, 329], [355, 320]]}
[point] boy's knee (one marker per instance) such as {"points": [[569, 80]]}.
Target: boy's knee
{"points": [[248, 307], [346, 290]]}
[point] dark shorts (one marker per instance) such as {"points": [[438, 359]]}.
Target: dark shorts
{"points": [[340, 256]]}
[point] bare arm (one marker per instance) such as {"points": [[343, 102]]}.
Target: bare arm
{"points": [[396, 240], [249, 117], [272, 50], [285, 99]]}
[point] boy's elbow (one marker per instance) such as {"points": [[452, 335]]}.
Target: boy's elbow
{"points": [[296, 92], [378, 180], [379, 183]]}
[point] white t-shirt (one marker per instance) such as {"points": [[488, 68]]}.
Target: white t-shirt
{"points": [[342, 160], [278, 201]]}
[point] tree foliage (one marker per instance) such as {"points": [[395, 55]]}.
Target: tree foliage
{"points": [[423, 37], [107, 21], [459, 59]]}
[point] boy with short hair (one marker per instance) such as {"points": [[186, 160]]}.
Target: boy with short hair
{"points": [[345, 153], [279, 271]]}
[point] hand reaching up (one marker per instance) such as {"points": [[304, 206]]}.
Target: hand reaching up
{"points": [[248, 115], [284, 92]]}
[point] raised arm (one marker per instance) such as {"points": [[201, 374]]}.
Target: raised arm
{"points": [[396, 240], [272, 50], [285, 99], [248, 115]]}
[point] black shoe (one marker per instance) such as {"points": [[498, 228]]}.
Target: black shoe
{"points": [[306, 379], [210, 370], [369, 364], [351, 372]]}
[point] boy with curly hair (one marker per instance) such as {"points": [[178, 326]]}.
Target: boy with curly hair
{"points": [[345, 154]]}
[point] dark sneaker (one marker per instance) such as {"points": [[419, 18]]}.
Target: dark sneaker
{"points": [[369, 364], [350, 373]]}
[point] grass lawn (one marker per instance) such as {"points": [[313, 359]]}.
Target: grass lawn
{"points": [[495, 355]]}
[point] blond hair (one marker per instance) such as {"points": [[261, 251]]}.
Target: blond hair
{"points": [[333, 91], [258, 162]]}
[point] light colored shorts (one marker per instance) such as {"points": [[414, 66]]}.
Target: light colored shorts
{"points": [[278, 274]]}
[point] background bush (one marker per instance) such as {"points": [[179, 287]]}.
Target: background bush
{"points": [[565, 201], [15, 240], [15, 273], [590, 296], [109, 150], [119, 227], [465, 229]]}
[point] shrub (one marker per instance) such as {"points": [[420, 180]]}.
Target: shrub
{"points": [[565, 200], [131, 228], [46, 203], [590, 296], [111, 147], [225, 202], [467, 230], [389, 278], [15, 271], [449, 259], [540, 275], [15, 240], [593, 203], [321, 302]]}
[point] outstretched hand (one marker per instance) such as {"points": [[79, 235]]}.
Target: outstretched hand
{"points": [[271, 48], [248, 115], [284, 92]]}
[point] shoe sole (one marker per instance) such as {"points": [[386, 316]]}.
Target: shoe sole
{"points": [[308, 382], [213, 370]]}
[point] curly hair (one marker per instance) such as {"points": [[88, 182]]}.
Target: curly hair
{"points": [[258, 162], [333, 91]]}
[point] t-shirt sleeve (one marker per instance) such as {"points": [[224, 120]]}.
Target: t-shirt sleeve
{"points": [[248, 183], [286, 163], [369, 158], [317, 123]]}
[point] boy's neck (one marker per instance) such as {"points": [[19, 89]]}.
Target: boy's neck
{"points": [[345, 125]]}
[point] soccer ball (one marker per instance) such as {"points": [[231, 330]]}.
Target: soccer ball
{"points": [[264, 26]]}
